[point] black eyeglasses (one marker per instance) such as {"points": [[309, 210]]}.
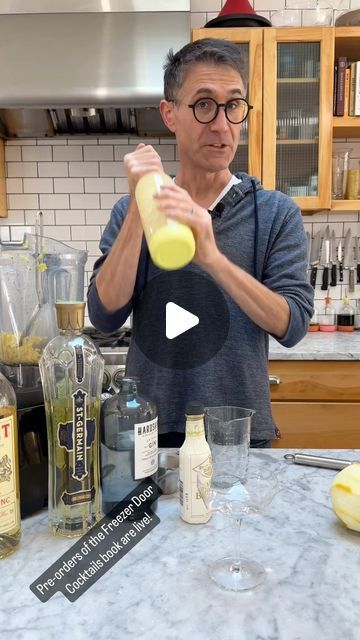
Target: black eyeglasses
{"points": [[205, 110]]}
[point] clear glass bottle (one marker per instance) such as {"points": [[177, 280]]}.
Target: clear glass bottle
{"points": [[9, 471], [129, 444], [72, 372], [194, 454], [314, 322], [327, 315], [346, 316]]}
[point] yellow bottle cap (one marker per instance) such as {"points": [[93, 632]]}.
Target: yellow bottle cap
{"points": [[172, 246]]}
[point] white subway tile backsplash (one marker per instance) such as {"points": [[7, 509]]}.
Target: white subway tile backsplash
{"points": [[68, 153], [85, 233], [58, 232], [197, 20], [38, 154], [15, 216], [93, 248], [199, 5], [68, 185], [84, 201], [4, 233], [48, 216], [120, 139], [17, 232], [55, 142], [84, 169], [265, 5], [12, 154], [107, 200], [109, 169], [54, 201], [22, 201], [38, 185], [82, 140], [14, 185], [53, 169], [22, 169], [99, 185], [121, 185], [99, 216], [99, 152], [73, 217]]}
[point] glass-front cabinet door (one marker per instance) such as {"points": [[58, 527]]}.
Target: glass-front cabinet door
{"points": [[250, 43], [297, 114]]}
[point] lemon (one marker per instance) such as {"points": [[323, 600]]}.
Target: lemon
{"points": [[345, 496]]}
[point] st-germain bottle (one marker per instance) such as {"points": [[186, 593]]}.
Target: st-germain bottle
{"points": [[194, 455], [71, 372], [129, 444], [9, 471]]}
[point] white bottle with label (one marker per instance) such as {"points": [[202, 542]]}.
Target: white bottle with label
{"points": [[193, 455]]}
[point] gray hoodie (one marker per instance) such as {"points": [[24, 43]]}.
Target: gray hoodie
{"points": [[262, 232]]}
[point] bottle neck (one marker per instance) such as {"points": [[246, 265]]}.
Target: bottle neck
{"points": [[70, 332], [195, 427]]}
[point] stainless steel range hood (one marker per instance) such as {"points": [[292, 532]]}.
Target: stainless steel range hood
{"points": [[110, 61]]}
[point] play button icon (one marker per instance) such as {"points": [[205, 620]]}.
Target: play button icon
{"points": [[178, 320], [181, 319]]}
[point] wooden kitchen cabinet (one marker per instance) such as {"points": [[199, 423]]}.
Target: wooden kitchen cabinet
{"points": [[3, 207], [347, 43], [291, 84], [316, 403], [250, 41]]}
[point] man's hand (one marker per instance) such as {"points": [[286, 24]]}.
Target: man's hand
{"points": [[139, 162], [179, 206]]}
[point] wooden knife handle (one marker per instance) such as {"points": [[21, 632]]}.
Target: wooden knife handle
{"points": [[325, 279], [341, 272], [333, 275], [313, 276]]}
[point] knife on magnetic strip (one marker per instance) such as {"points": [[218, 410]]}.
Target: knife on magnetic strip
{"points": [[349, 260], [333, 280], [357, 258], [325, 258], [314, 257]]}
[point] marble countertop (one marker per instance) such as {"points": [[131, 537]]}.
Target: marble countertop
{"points": [[319, 346], [161, 589]]}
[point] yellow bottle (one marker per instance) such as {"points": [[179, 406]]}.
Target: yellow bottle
{"points": [[171, 244], [9, 471]]}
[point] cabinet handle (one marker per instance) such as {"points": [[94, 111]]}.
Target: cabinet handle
{"points": [[274, 380]]}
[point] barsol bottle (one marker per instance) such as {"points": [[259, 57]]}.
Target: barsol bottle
{"points": [[171, 244], [194, 455], [9, 471]]}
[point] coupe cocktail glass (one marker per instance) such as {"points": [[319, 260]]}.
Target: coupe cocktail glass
{"points": [[235, 498]]}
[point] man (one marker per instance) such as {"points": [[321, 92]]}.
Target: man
{"points": [[255, 252]]}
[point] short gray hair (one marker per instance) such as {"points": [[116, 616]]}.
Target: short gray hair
{"points": [[206, 51]]}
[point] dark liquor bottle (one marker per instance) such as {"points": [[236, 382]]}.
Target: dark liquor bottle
{"points": [[72, 372], [129, 444]]}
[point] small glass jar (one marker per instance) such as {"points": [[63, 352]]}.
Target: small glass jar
{"points": [[327, 316], [314, 322], [346, 316]]}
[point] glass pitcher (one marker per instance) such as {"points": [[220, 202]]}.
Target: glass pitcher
{"points": [[228, 434], [34, 274], [340, 166]]}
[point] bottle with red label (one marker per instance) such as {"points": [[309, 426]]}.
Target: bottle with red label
{"points": [[9, 471]]}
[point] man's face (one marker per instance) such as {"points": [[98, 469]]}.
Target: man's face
{"points": [[212, 146]]}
